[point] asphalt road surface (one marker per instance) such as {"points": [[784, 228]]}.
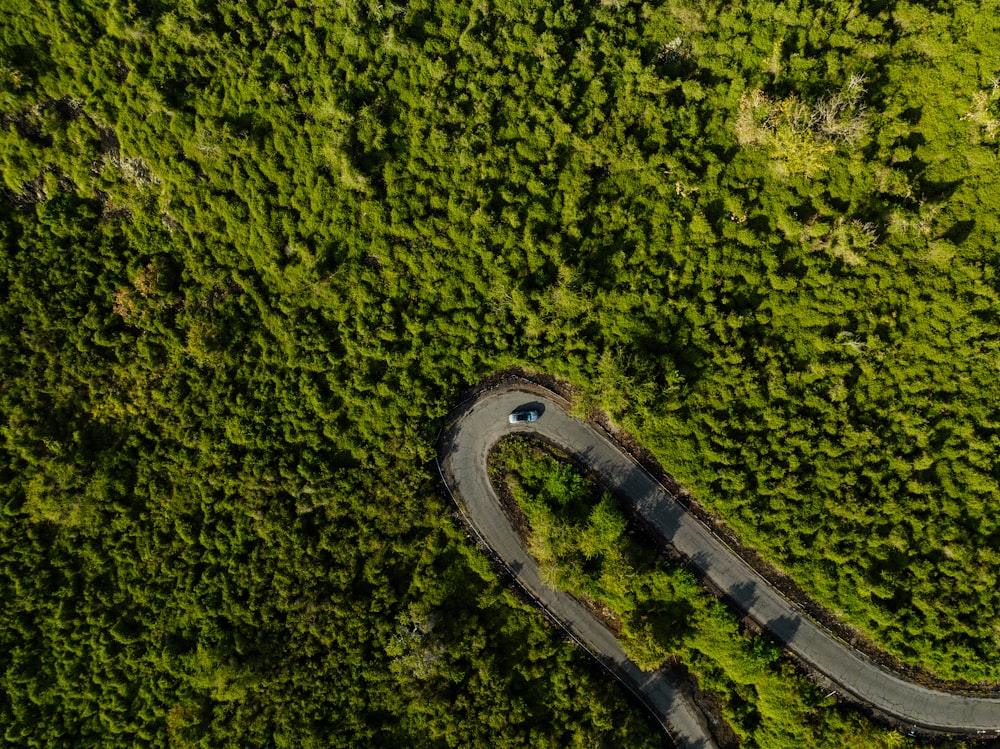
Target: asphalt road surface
{"points": [[464, 449]]}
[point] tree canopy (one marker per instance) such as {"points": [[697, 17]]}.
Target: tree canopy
{"points": [[252, 252]]}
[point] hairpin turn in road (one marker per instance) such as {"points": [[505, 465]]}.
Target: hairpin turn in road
{"points": [[476, 426]]}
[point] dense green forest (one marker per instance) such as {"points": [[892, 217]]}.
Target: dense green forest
{"points": [[252, 252]]}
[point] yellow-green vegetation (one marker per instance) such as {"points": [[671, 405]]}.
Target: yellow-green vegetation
{"points": [[584, 544], [250, 253]]}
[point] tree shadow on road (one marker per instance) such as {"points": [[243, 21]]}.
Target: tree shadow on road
{"points": [[783, 628]]}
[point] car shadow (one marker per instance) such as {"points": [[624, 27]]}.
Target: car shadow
{"points": [[533, 406]]}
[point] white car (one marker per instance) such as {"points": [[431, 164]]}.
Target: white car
{"points": [[525, 416]]}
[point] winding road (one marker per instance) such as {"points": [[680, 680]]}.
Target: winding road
{"points": [[476, 426]]}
